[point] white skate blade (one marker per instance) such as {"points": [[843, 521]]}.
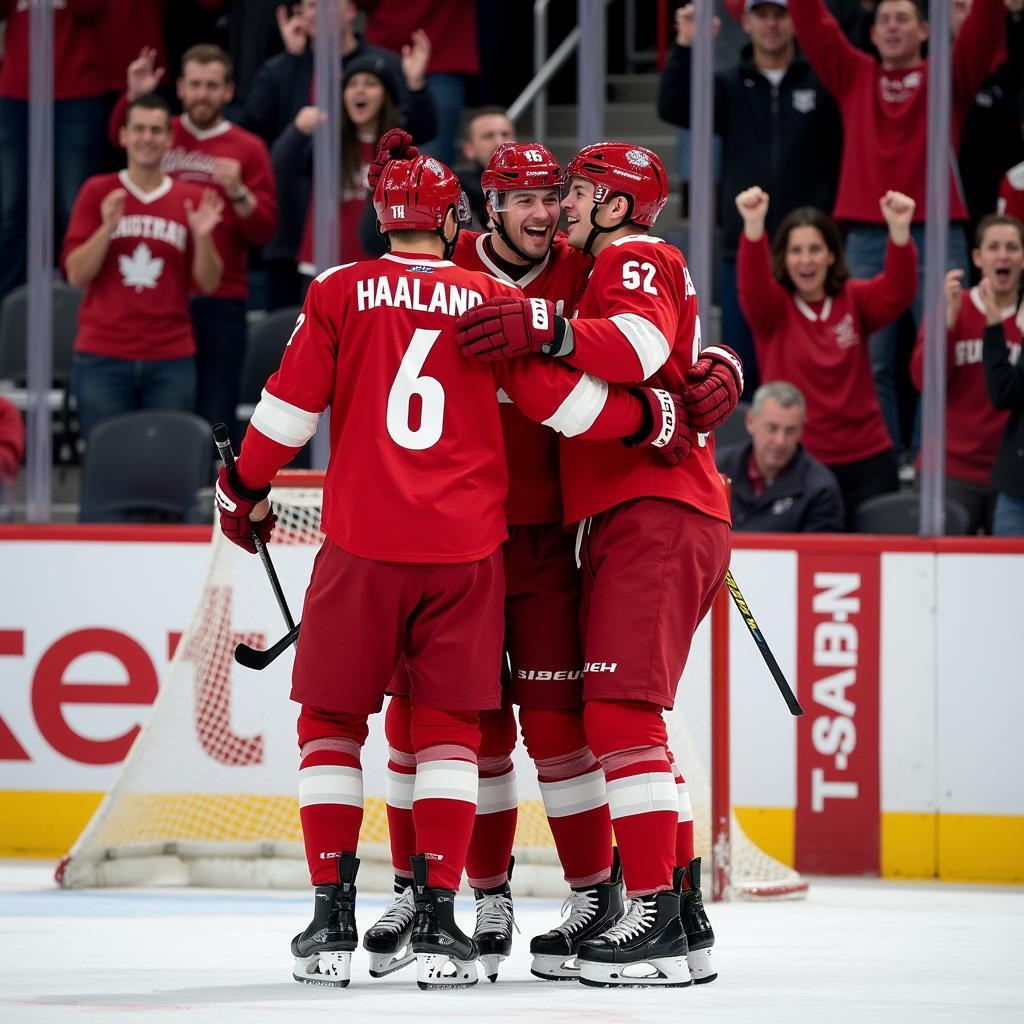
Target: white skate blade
{"points": [[383, 964], [439, 970], [702, 966], [668, 972], [332, 969], [491, 962], [555, 968]]}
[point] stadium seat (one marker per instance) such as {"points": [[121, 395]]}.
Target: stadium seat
{"points": [[146, 466], [734, 429], [267, 340], [13, 331], [900, 513]]}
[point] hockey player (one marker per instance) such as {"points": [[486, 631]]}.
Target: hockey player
{"points": [[410, 570], [654, 543]]}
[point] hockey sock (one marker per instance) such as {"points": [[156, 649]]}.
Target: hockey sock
{"points": [[399, 780], [330, 787], [628, 738], [444, 796], [684, 829], [572, 787], [497, 806]]}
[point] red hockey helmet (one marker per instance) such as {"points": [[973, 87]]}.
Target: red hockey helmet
{"points": [[617, 168], [416, 195], [517, 165]]}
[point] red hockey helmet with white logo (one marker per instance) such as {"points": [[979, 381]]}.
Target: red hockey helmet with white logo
{"points": [[617, 168], [416, 195], [519, 165]]}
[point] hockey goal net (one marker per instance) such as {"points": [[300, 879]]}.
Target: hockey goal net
{"points": [[207, 795]]}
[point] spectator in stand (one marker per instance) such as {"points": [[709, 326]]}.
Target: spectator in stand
{"points": [[368, 111], [777, 486], [209, 150], [12, 452], [991, 140], [811, 321], [137, 243], [973, 428], [884, 109], [486, 129], [284, 86], [79, 113], [450, 27], [1004, 375], [779, 127]]}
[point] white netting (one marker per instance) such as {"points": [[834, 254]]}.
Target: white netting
{"points": [[207, 794]]}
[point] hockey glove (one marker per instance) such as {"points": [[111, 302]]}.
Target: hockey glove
{"points": [[394, 144], [714, 384], [234, 504], [666, 427], [504, 327]]}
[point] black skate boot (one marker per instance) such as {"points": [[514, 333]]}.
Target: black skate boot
{"points": [[323, 952], [646, 948], [590, 912], [445, 955], [699, 936], [389, 941], [494, 923]]}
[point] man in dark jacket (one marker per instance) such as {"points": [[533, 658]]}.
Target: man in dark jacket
{"points": [[780, 129], [776, 485]]}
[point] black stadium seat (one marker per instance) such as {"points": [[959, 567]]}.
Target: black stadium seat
{"points": [[900, 513], [267, 340]]}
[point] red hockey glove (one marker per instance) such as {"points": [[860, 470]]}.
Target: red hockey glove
{"points": [[394, 144], [234, 504], [504, 327], [666, 427], [714, 385]]}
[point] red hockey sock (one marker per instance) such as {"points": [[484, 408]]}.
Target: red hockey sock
{"points": [[684, 829], [330, 788], [398, 784], [572, 787], [444, 798], [497, 806], [628, 737]]}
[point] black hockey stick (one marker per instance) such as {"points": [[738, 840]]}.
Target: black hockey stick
{"points": [[250, 657], [244, 654], [762, 645]]}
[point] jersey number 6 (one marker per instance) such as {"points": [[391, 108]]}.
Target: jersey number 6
{"points": [[407, 383]]}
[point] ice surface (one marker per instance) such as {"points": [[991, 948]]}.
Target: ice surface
{"points": [[861, 950]]}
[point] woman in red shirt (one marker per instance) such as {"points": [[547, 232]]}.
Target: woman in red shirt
{"points": [[811, 324]]}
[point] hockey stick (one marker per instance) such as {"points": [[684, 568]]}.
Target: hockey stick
{"points": [[250, 657], [762, 645], [244, 654]]}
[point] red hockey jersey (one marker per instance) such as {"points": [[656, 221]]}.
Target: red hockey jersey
{"points": [[534, 490], [1011, 193], [417, 469], [824, 351], [974, 429], [137, 305], [638, 321]]}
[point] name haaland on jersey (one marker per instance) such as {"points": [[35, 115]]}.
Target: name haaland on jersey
{"points": [[448, 299]]}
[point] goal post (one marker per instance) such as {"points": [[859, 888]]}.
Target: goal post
{"points": [[208, 792]]}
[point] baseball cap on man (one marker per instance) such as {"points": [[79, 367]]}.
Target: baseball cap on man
{"points": [[751, 4]]}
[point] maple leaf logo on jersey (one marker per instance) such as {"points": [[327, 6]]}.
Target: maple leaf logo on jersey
{"points": [[142, 269]]}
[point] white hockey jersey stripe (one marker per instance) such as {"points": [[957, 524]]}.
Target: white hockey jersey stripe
{"points": [[398, 789], [330, 784], [580, 407], [574, 796], [282, 422], [650, 345], [638, 794], [446, 780], [685, 805], [498, 794]]}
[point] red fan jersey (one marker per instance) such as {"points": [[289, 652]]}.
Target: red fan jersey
{"points": [[417, 470], [450, 25], [974, 429], [534, 491], [136, 307], [638, 321], [1011, 193]]}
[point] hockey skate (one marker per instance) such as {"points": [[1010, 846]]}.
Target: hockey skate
{"points": [[699, 936], [494, 924], [389, 941], [590, 912], [646, 948], [323, 952], [445, 955]]}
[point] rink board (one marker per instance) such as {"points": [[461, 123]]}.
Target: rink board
{"points": [[907, 762]]}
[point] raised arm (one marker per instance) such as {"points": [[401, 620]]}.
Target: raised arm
{"points": [[762, 299], [831, 54], [674, 85]]}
